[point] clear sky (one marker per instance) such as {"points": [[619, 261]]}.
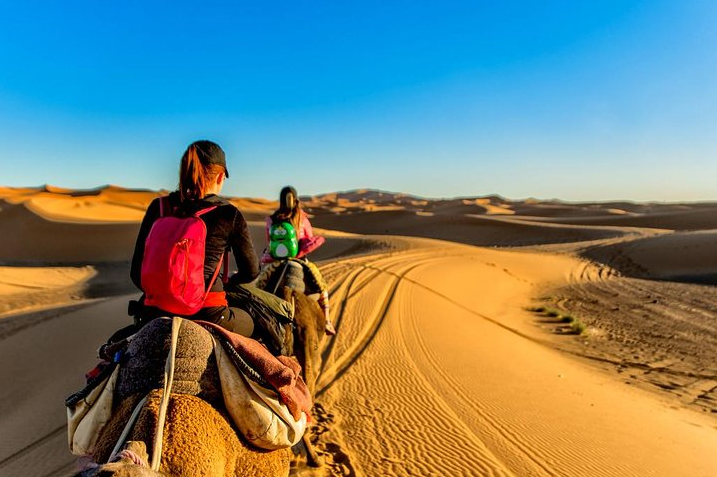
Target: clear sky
{"points": [[550, 99]]}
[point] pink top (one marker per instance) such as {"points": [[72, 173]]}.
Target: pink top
{"points": [[308, 242]]}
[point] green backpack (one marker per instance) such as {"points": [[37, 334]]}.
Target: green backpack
{"points": [[283, 242]]}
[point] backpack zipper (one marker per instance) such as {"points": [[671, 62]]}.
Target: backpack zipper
{"points": [[184, 244]]}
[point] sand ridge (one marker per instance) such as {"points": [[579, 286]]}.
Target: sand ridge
{"points": [[26, 288]]}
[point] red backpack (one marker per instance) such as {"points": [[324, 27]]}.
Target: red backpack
{"points": [[173, 264]]}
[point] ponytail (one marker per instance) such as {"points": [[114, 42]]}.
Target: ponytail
{"points": [[195, 177], [191, 179]]}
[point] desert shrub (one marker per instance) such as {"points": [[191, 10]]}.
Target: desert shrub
{"points": [[578, 327]]}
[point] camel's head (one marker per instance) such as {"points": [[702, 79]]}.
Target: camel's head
{"points": [[307, 313], [131, 462]]}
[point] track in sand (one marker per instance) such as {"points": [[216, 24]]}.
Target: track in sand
{"points": [[434, 372]]}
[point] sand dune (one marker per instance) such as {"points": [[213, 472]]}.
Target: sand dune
{"points": [[675, 216], [30, 238], [59, 226], [438, 368], [470, 229], [679, 256], [21, 279], [699, 218], [26, 288], [82, 210], [566, 212]]}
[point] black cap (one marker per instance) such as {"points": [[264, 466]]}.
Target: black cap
{"points": [[210, 153]]}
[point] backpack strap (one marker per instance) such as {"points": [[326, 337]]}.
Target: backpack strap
{"points": [[165, 208], [216, 274], [204, 211], [224, 259]]}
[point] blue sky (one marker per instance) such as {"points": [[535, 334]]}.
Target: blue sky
{"points": [[572, 100]]}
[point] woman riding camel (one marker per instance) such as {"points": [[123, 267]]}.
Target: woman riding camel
{"points": [[291, 237], [179, 259]]}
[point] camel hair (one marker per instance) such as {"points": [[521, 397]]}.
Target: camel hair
{"points": [[309, 333]]}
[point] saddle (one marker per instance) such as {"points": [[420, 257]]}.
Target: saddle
{"points": [[263, 394]]}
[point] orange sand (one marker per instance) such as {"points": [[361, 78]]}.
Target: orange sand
{"points": [[437, 368]]}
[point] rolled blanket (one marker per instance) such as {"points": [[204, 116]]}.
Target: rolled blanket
{"points": [[313, 279], [272, 316], [281, 372]]}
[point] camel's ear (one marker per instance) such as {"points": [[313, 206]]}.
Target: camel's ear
{"points": [[319, 318], [322, 321], [139, 448]]}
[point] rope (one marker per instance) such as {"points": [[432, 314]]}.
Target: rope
{"points": [[168, 378], [127, 428], [281, 277]]}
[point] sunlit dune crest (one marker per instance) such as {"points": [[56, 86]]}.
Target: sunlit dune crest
{"points": [[82, 209], [103, 204], [15, 279], [254, 205]]}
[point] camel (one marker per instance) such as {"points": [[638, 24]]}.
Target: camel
{"points": [[210, 445], [303, 336], [309, 326], [288, 280], [308, 334], [199, 439]]}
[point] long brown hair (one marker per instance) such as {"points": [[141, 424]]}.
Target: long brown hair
{"points": [[289, 208], [195, 177]]}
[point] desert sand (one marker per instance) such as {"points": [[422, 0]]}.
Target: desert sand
{"points": [[476, 336]]}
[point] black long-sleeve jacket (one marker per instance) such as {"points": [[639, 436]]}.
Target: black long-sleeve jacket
{"points": [[226, 229]]}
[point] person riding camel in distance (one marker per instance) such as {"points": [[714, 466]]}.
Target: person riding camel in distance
{"points": [[179, 258], [291, 237]]}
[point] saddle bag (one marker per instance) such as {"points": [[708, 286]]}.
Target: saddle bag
{"points": [[89, 410], [255, 410], [273, 317]]}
